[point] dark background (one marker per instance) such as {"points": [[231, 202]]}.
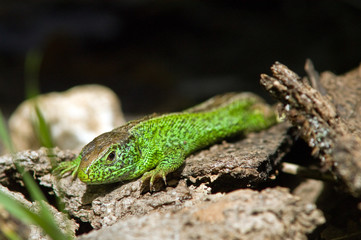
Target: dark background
{"points": [[167, 55]]}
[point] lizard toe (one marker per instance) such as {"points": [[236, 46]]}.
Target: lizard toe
{"points": [[152, 176]]}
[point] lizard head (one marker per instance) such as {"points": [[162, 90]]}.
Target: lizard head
{"points": [[112, 156], [109, 158]]}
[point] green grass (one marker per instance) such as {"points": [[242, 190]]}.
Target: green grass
{"points": [[33, 60], [4, 135], [42, 129], [44, 217]]}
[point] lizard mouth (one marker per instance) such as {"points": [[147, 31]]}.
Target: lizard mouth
{"points": [[83, 176], [89, 178]]}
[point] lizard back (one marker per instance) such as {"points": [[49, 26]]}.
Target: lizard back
{"points": [[204, 124]]}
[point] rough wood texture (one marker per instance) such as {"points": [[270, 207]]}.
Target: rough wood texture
{"points": [[223, 167], [37, 162], [243, 214], [329, 117]]}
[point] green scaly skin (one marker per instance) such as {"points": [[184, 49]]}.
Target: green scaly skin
{"points": [[154, 146]]}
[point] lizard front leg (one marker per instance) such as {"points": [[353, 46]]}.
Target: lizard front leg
{"points": [[171, 161], [65, 167]]}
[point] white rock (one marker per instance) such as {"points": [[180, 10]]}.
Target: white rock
{"points": [[75, 117]]}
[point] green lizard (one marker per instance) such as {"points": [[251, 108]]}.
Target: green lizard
{"points": [[154, 146]]}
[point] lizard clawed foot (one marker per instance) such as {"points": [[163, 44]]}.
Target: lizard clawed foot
{"points": [[152, 176], [65, 167]]}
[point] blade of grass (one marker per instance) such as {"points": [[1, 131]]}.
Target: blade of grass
{"points": [[41, 219], [42, 129], [17, 209], [4, 135], [30, 184], [43, 132], [48, 223], [9, 233], [32, 66], [44, 218]]}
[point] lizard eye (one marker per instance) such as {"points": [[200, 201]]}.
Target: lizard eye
{"points": [[111, 156]]}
